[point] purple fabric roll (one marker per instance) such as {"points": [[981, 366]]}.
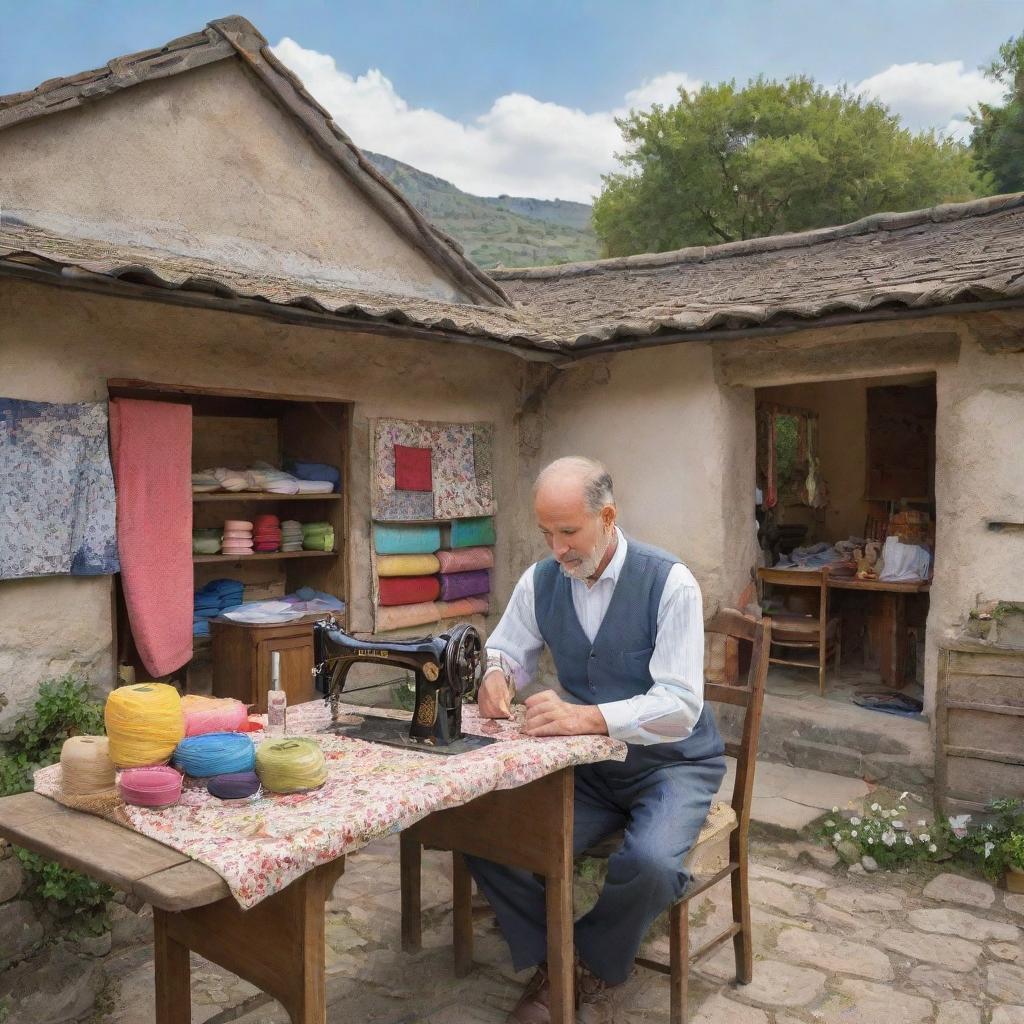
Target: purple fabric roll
{"points": [[233, 785], [455, 585]]}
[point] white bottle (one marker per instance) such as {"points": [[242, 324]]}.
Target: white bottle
{"points": [[277, 699]]}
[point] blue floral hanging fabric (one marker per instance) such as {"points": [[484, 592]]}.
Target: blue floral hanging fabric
{"points": [[57, 508]]}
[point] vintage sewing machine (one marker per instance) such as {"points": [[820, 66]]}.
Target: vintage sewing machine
{"points": [[447, 668]]}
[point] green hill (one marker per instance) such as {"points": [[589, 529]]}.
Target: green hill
{"points": [[506, 231]]}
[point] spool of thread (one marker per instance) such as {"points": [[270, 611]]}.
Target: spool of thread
{"points": [[214, 753], [144, 724], [234, 785], [291, 765], [86, 768], [150, 787], [212, 714]]}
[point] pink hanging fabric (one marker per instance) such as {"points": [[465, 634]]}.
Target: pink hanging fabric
{"points": [[151, 448]]}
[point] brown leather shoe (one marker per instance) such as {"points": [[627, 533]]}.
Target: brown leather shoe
{"points": [[594, 998], [534, 1006]]}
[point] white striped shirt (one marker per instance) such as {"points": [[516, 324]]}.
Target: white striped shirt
{"points": [[668, 711]]}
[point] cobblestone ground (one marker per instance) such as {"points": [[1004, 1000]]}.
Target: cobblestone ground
{"points": [[832, 945]]}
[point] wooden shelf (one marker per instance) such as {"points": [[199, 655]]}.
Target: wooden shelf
{"points": [[263, 496], [263, 556]]}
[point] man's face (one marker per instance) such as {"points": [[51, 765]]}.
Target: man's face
{"points": [[576, 536]]}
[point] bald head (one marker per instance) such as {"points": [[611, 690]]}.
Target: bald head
{"points": [[578, 478]]}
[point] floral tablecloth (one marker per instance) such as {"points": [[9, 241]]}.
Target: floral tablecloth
{"points": [[260, 846]]}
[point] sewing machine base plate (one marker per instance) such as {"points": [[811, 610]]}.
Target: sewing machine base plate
{"points": [[395, 733]]}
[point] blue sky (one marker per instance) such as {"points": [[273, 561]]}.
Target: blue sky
{"points": [[519, 96]]}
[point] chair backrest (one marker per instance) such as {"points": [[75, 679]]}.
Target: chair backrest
{"points": [[807, 578], [758, 633]]}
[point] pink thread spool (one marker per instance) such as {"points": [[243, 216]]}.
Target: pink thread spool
{"points": [[213, 714], [150, 787]]}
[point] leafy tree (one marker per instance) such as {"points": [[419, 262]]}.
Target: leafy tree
{"points": [[998, 138], [730, 163]]}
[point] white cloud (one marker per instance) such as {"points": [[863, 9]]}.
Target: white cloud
{"points": [[528, 147], [932, 95], [521, 146]]}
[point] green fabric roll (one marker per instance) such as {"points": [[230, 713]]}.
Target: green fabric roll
{"points": [[467, 533], [391, 539]]}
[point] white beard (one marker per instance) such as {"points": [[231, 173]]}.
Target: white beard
{"points": [[589, 563]]}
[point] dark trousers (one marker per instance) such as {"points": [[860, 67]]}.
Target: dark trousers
{"points": [[662, 812]]}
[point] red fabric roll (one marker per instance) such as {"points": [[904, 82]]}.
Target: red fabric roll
{"points": [[408, 589], [412, 469]]}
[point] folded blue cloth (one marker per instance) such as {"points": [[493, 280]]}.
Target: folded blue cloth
{"points": [[315, 471]]}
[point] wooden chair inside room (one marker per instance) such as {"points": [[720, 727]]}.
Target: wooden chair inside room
{"points": [[727, 824], [811, 632]]}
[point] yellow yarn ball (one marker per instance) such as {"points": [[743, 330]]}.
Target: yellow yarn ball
{"points": [[290, 765], [144, 724]]}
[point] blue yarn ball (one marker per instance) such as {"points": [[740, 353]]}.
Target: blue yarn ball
{"points": [[215, 753]]}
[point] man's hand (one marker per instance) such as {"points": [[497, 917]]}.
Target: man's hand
{"points": [[548, 715], [492, 698]]}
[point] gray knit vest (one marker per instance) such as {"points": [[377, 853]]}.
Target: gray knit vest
{"points": [[616, 665]]}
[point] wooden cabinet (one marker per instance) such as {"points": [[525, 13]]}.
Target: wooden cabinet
{"points": [[979, 725], [242, 660]]}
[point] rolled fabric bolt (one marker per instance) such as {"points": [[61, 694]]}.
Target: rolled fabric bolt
{"points": [[394, 590], [401, 539], [465, 584], [407, 565], [465, 559]]}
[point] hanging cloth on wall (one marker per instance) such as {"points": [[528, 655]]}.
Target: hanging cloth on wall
{"points": [[151, 443], [56, 490]]}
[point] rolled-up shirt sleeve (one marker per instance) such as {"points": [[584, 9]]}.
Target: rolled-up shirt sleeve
{"points": [[669, 710], [517, 635]]}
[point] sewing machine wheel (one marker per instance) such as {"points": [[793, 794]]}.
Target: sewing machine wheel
{"points": [[464, 659]]}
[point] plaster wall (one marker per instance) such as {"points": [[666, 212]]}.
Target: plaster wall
{"points": [[680, 449], [205, 163], [979, 472], [63, 346]]}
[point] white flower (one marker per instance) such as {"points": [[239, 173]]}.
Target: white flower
{"points": [[871, 841], [829, 823], [909, 840], [960, 821], [932, 848], [835, 810], [989, 847], [876, 807], [855, 821], [924, 837], [853, 833], [902, 807], [837, 838], [903, 795], [889, 837]]}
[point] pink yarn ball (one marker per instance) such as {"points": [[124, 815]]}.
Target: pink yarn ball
{"points": [[150, 787]]}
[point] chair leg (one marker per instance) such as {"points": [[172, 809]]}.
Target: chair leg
{"points": [[679, 961], [742, 940]]}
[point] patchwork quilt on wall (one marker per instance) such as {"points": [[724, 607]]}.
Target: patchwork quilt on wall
{"points": [[57, 507]]}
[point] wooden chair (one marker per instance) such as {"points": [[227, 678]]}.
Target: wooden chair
{"points": [[820, 633], [726, 824]]}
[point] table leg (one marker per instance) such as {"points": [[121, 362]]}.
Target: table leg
{"points": [[893, 632], [462, 914], [411, 859], [278, 946], [171, 970]]}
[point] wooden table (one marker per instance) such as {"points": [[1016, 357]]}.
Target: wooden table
{"points": [[528, 827], [888, 630], [278, 945]]}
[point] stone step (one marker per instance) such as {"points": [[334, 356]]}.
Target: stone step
{"points": [[787, 800]]}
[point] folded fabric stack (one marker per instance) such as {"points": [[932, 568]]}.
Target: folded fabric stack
{"points": [[419, 584], [263, 477], [212, 600], [316, 473], [304, 601], [204, 481], [238, 537], [291, 535], [230, 479], [266, 533], [317, 536], [206, 542]]}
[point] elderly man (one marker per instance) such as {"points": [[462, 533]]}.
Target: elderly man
{"points": [[624, 625]]}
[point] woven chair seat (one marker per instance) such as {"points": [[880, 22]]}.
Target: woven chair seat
{"points": [[799, 628]]}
